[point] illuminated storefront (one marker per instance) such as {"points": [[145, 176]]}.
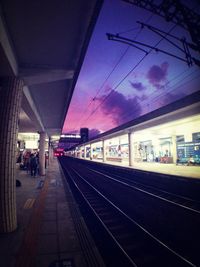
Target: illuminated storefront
{"points": [[170, 135], [117, 149], [97, 151], [172, 142]]}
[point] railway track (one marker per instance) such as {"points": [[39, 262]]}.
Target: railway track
{"points": [[135, 244], [174, 199]]}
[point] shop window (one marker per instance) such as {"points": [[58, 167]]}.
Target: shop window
{"points": [[113, 150], [124, 150], [180, 138], [196, 137], [145, 150], [97, 153], [165, 147]]}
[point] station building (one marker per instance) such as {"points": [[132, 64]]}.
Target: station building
{"points": [[169, 135]]}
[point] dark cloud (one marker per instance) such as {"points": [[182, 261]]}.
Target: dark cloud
{"points": [[138, 86], [157, 74], [120, 108], [93, 133]]}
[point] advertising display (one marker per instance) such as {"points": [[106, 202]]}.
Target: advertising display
{"points": [[97, 151], [188, 153]]}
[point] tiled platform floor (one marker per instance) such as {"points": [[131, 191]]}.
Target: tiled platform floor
{"points": [[49, 224]]}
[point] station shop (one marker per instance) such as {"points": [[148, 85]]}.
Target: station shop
{"points": [[174, 142], [27, 144]]}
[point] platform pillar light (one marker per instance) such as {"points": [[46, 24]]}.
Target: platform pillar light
{"points": [[130, 149], [104, 150], [42, 153], [11, 89], [174, 149]]}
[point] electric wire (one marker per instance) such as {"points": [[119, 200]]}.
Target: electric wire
{"points": [[130, 30], [122, 80], [114, 89], [114, 68], [103, 84], [128, 73], [162, 94]]}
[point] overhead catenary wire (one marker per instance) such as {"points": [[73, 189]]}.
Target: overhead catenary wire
{"points": [[162, 94], [103, 99], [103, 84], [130, 30], [127, 114], [122, 80], [113, 69]]}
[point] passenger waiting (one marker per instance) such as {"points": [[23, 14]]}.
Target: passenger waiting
{"points": [[190, 161], [33, 164]]}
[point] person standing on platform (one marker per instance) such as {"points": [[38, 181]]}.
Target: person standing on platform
{"points": [[33, 164]]}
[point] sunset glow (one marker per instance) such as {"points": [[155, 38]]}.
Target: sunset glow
{"points": [[117, 82]]}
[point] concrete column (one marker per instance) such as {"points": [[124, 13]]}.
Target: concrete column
{"points": [[84, 152], [174, 149], [104, 150], [11, 89], [91, 154], [130, 147], [50, 151], [42, 153]]}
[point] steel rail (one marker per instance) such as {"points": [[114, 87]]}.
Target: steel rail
{"points": [[146, 192], [105, 227], [136, 223]]}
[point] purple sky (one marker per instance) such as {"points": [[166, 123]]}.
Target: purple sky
{"points": [[117, 82]]}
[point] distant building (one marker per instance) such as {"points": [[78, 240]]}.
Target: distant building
{"points": [[84, 132], [69, 140]]}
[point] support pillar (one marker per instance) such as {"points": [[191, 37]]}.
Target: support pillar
{"points": [[91, 152], [104, 150], [42, 153], [11, 89], [50, 151], [85, 152], [174, 149], [130, 147]]}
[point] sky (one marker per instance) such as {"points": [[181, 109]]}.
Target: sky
{"points": [[119, 82]]}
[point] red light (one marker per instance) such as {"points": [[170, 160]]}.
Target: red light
{"points": [[58, 154]]}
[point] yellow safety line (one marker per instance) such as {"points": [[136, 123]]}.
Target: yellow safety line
{"points": [[29, 203], [27, 252]]}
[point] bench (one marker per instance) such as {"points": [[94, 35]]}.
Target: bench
{"points": [[114, 159]]}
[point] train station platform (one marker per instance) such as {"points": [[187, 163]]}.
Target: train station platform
{"points": [[51, 231], [170, 169], [165, 168]]}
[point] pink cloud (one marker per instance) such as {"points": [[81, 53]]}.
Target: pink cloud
{"points": [[81, 114]]}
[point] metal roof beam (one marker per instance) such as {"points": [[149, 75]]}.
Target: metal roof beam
{"points": [[39, 76]]}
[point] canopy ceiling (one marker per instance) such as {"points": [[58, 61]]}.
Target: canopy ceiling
{"points": [[44, 42]]}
